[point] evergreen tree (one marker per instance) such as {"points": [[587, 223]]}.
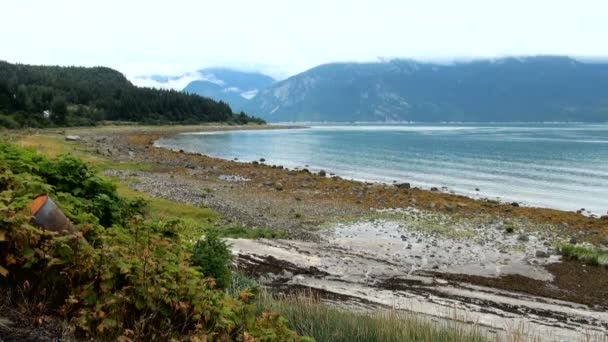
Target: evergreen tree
{"points": [[59, 111], [84, 96]]}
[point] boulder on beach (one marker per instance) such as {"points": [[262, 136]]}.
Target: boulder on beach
{"points": [[403, 185], [72, 138]]}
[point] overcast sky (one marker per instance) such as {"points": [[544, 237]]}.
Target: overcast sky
{"points": [[283, 37]]}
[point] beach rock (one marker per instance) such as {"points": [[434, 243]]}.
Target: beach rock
{"points": [[523, 238], [255, 162], [573, 241], [262, 160], [605, 217], [403, 185], [322, 173], [541, 254], [279, 187], [515, 204], [434, 189], [72, 138]]}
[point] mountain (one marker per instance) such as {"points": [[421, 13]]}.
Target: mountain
{"points": [[543, 88], [39, 96], [231, 86]]}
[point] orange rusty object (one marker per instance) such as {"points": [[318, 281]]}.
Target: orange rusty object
{"points": [[37, 204], [47, 215]]}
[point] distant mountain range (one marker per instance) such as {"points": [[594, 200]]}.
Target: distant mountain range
{"points": [[529, 89], [234, 87]]}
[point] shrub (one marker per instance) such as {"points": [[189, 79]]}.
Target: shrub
{"points": [[7, 121], [212, 255], [132, 280]]}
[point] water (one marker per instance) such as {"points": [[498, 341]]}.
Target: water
{"points": [[562, 166]]}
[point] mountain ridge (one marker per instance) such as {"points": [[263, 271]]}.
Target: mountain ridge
{"points": [[525, 89]]}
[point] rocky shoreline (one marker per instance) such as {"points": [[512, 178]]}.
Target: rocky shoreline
{"points": [[325, 198], [339, 230]]}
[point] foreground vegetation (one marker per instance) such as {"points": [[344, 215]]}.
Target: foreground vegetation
{"points": [[43, 96], [310, 316], [134, 272], [122, 275], [588, 255]]}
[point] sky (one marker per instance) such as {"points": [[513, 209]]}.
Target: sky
{"points": [[283, 37]]}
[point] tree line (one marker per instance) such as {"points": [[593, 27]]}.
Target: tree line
{"points": [[44, 96]]}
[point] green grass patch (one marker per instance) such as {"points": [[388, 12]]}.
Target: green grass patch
{"points": [[310, 316], [125, 166], [324, 322], [196, 221], [588, 255]]}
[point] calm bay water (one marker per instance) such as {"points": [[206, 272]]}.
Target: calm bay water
{"points": [[562, 166]]}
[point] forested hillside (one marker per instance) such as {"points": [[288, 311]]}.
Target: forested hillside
{"points": [[41, 96]]}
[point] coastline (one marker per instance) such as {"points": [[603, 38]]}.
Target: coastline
{"points": [[494, 175], [468, 254], [374, 194]]}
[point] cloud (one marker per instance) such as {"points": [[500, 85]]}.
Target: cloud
{"points": [[178, 82], [281, 38]]}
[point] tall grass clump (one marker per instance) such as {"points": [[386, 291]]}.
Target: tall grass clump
{"points": [[588, 255], [309, 316]]}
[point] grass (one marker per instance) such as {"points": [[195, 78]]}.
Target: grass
{"points": [[53, 145], [311, 317], [588, 255], [197, 220]]}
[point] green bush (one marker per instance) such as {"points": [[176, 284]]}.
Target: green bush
{"points": [[212, 255], [121, 276], [7, 121]]}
